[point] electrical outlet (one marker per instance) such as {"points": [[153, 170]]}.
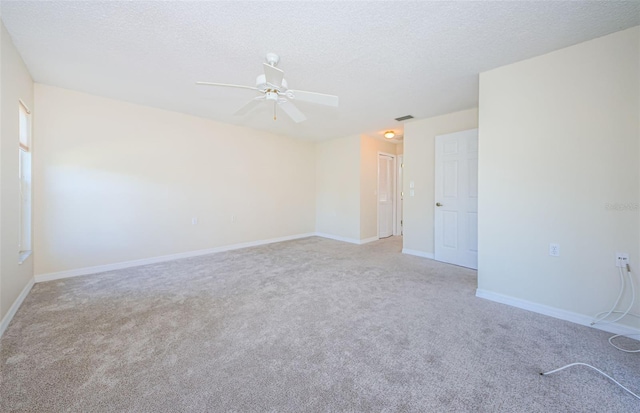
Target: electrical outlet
{"points": [[554, 250], [622, 259]]}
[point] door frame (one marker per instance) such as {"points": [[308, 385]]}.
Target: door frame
{"points": [[397, 230], [393, 192]]}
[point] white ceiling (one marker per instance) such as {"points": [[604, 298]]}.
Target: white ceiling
{"points": [[384, 59]]}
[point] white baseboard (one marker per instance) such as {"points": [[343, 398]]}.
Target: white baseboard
{"points": [[337, 238], [15, 306], [135, 263], [418, 253], [368, 240], [577, 318], [345, 239]]}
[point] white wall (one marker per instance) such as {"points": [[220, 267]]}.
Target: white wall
{"points": [[419, 167], [559, 141], [338, 187], [369, 148], [15, 83], [118, 182]]}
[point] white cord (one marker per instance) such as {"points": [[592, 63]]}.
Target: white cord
{"points": [[623, 314], [599, 319], [598, 370], [615, 304], [620, 348], [633, 297], [620, 312]]}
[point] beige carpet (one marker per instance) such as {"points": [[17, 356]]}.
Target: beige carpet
{"points": [[305, 325]]}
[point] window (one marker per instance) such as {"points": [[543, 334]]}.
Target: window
{"points": [[24, 175]]}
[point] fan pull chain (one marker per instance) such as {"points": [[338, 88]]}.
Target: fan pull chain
{"points": [[274, 110]]}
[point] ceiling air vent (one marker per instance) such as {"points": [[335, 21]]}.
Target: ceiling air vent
{"points": [[401, 118]]}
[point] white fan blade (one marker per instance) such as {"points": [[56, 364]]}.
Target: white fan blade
{"points": [[252, 104], [273, 75], [313, 97], [293, 112], [225, 85]]}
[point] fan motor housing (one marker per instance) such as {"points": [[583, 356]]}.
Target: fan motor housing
{"points": [[261, 84]]}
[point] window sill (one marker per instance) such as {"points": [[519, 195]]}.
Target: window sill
{"points": [[23, 255]]}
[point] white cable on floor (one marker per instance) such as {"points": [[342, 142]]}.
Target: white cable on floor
{"points": [[620, 348], [599, 319], [599, 371]]}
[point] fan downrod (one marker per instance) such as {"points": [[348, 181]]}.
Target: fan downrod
{"points": [[273, 59]]}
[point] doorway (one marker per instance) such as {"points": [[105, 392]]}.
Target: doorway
{"points": [[456, 198], [386, 196], [399, 194]]}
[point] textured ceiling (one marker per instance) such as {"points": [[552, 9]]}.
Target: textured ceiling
{"points": [[384, 59]]}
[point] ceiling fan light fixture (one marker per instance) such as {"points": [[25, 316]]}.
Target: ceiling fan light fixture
{"points": [[389, 134], [271, 95], [272, 87]]}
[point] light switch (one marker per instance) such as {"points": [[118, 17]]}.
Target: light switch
{"points": [[411, 185]]}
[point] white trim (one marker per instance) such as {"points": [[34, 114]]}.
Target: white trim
{"points": [[345, 239], [15, 306], [418, 253], [393, 192], [398, 200], [23, 255], [135, 263], [554, 312], [24, 105], [337, 238]]}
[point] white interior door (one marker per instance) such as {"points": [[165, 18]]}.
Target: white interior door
{"points": [[399, 194], [386, 187], [456, 196]]}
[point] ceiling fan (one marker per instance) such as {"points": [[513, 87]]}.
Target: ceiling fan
{"points": [[272, 87]]}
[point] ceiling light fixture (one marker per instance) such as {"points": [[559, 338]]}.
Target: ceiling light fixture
{"points": [[389, 134]]}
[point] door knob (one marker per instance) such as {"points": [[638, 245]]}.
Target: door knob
{"points": [[438, 204]]}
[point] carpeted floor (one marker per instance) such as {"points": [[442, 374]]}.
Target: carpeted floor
{"points": [[305, 325]]}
